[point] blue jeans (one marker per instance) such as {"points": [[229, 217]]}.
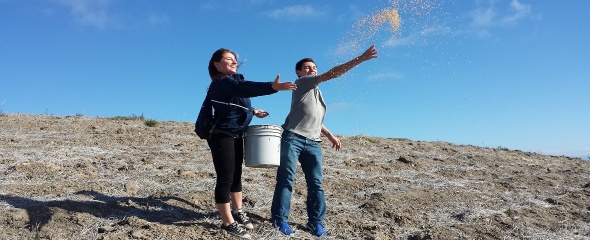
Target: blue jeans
{"points": [[309, 153]]}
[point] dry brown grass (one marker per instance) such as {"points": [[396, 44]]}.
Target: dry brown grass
{"points": [[96, 178]]}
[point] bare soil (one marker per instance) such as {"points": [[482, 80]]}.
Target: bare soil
{"points": [[75, 177]]}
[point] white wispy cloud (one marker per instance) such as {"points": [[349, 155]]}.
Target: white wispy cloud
{"points": [[90, 12], [157, 19], [498, 14], [101, 14], [518, 11], [483, 17], [237, 5], [505, 14], [343, 106], [295, 12], [386, 76], [417, 37]]}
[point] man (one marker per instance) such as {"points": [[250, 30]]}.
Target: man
{"points": [[300, 142]]}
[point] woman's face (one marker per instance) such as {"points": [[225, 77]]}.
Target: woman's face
{"points": [[228, 64]]}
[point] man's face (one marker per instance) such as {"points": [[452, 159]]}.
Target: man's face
{"points": [[307, 69]]}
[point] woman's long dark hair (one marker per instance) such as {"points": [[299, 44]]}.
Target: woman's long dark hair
{"points": [[217, 55]]}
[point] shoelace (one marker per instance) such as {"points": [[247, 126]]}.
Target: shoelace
{"points": [[234, 227], [243, 218]]}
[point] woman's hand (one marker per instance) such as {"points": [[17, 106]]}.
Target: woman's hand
{"points": [[277, 85], [260, 113]]}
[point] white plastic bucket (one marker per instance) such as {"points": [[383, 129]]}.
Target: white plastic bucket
{"points": [[263, 146]]}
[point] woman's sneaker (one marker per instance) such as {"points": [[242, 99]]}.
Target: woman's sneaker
{"points": [[235, 230], [317, 229], [241, 218]]}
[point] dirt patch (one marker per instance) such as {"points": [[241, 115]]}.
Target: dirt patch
{"points": [[99, 178]]}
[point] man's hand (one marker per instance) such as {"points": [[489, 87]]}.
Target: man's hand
{"points": [[335, 142], [369, 54]]}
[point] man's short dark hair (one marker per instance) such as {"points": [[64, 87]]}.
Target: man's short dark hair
{"points": [[301, 62]]}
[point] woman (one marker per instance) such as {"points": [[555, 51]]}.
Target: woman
{"points": [[230, 95]]}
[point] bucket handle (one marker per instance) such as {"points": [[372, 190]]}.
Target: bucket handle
{"points": [[272, 119]]}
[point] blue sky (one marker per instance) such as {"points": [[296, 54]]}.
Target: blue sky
{"points": [[490, 73]]}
